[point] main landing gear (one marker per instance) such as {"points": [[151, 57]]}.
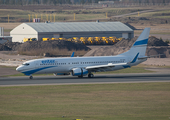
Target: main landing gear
{"points": [[90, 75], [80, 76], [31, 77]]}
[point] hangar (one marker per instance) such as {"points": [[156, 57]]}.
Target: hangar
{"points": [[70, 29]]}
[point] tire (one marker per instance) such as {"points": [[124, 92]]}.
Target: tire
{"points": [[31, 77], [90, 75], [80, 76]]}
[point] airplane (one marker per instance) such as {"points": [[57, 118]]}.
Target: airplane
{"points": [[82, 66]]}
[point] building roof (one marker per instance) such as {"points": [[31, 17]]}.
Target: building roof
{"points": [[79, 26]]}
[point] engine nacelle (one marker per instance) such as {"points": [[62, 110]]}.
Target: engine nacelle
{"points": [[79, 72], [61, 74]]}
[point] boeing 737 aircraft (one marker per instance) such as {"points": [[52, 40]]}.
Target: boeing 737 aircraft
{"points": [[82, 66]]}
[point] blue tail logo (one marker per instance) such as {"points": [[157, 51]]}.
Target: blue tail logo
{"points": [[141, 42]]}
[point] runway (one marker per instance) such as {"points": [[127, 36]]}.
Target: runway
{"points": [[98, 79]]}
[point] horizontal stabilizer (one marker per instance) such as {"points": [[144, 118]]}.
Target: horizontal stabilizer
{"points": [[144, 57]]}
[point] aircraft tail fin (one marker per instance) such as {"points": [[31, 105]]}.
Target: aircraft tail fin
{"points": [[140, 44]]}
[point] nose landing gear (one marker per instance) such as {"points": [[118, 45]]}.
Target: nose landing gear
{"points": [[31, 77]]}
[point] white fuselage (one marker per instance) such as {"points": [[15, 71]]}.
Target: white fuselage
{"points": [[65, 65]]}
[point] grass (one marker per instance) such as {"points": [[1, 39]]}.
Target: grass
{"points": [[158, 14], [16, 15], [127, 101]]}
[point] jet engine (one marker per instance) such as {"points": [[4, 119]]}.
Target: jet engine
{"points": [[79, 72]]}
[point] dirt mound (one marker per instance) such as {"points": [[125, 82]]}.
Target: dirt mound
{"points": [[41, 45], [155, 46], [4, 48], [52, 45], [126, 42], [153, 41], [13, 45], [52, 48], [162, 51]]}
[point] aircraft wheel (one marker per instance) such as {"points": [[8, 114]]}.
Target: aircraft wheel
{"points": [[90, 75], [31, 77]]}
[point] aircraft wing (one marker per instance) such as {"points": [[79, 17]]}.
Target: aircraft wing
{"points": [[99, 68]]}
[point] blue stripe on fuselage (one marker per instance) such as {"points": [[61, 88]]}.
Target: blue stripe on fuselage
{"points": [[126, 66], [36, 70], [141, 42]]}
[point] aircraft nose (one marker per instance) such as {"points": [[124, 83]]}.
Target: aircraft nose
{"points": [[18, 69]]}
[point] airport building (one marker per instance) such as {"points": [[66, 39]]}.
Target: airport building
{"points": [[70, 29]]}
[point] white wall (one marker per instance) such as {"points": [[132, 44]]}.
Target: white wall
{"points": [[19, 38], [23, 31], [125, 35]]}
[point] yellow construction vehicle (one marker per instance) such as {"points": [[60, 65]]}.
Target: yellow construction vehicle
{"points": [[33, 39], [29, 39], [112, 40], [26, 39], [105, 40], [70, 39], [90, 41], [98, 40], [83, 40], [119, 39], [62, 38], [54, 39], [76, 40], [45, 39]]}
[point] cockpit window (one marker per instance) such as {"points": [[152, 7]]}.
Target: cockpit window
{"points": [[26, 64]]}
